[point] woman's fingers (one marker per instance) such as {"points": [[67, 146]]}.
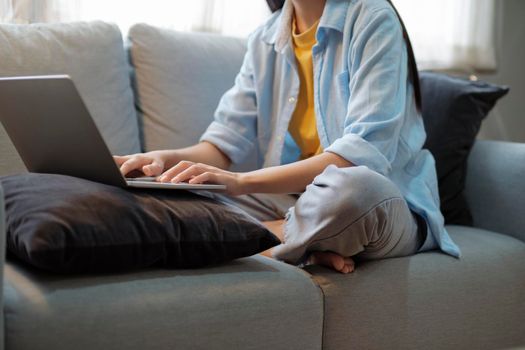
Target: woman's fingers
{"points": [[220, 177], [134, 163], [145, 163], [120, 159], [204, 177], [170, 174], [196, 173], [153, 169], [189, 173]]}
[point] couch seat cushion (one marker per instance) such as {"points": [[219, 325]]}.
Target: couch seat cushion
{"points": [[252, 303], [431, 300]]}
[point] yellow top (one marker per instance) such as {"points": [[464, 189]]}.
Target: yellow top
{"points": [[303, 127]]}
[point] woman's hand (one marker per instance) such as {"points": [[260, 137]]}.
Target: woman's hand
{"points": [[154, 163], [150, 164], [198, 173]]}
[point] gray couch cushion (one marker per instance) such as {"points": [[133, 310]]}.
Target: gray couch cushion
{"points": [[431, 300], [2, 258], [252, 303], [495, 174], [10, 162], [93, 55], [180, 78]]}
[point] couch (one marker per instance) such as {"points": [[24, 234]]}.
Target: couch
{"points": [[427, 301]]}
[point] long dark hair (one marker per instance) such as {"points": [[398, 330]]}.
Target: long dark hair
{"points": [[413, 74]]}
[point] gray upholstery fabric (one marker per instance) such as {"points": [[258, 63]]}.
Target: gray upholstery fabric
{"points": [[252, 303], [431, 300], [10, 162], [2, 259], [495, 187], [93, 55], [180, 78]]}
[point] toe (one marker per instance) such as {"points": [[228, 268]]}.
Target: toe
{"points": [[349, 264], [328, 259], [336, 261]]}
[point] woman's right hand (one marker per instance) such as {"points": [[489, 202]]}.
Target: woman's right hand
{"points": [[150, 164]]}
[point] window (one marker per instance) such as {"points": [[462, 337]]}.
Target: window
{"points": [[451, 34], [446, 34]]}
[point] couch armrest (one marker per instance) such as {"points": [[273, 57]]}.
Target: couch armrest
{"points": [[2, 260], [495, 187]]}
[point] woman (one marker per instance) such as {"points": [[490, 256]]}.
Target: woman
{"points": [[328, 95]]}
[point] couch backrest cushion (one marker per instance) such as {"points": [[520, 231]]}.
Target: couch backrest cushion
{"points": [[180, 78], [93, 55], [453, 110], [10, 162]]}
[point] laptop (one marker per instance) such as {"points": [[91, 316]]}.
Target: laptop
{"points": [[53, 132]]}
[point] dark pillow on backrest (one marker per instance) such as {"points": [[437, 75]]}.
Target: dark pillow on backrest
{"points": [[453, 110], [65, 224]]}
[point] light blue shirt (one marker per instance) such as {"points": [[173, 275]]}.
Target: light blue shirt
{"points": [[364, 103]]}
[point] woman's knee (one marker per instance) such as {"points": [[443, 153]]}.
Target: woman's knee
{"points": [[348, 191], [343, 210]]}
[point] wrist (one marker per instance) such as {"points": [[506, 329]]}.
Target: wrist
{"points": [[248, 182]]}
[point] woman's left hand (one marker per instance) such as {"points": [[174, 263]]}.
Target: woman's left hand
{"points": [[197, 173]]}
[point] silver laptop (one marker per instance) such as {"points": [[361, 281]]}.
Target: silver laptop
{"points": [[54, 133]]}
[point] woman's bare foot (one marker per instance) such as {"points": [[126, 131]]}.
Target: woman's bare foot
{"points": [[332, 260], [328, 259]]}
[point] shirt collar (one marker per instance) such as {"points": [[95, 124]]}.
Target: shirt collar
{"points": [[278, 31]]}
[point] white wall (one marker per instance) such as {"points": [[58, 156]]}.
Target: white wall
{"points": [[507, 121]]}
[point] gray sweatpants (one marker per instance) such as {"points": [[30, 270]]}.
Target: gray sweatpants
{"points": [[351, 211]]}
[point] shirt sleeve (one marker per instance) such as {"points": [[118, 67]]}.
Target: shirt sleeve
{"points": [[378, 80], [233, 129]]}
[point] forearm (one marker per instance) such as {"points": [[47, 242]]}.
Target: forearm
{"points": [[291, 178], [203, 152]]}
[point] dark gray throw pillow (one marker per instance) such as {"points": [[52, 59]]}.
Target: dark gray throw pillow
{"points": [[65, 224], [453, 110]]}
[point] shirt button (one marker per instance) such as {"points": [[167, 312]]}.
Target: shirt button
{"points": [[292, 99]]}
